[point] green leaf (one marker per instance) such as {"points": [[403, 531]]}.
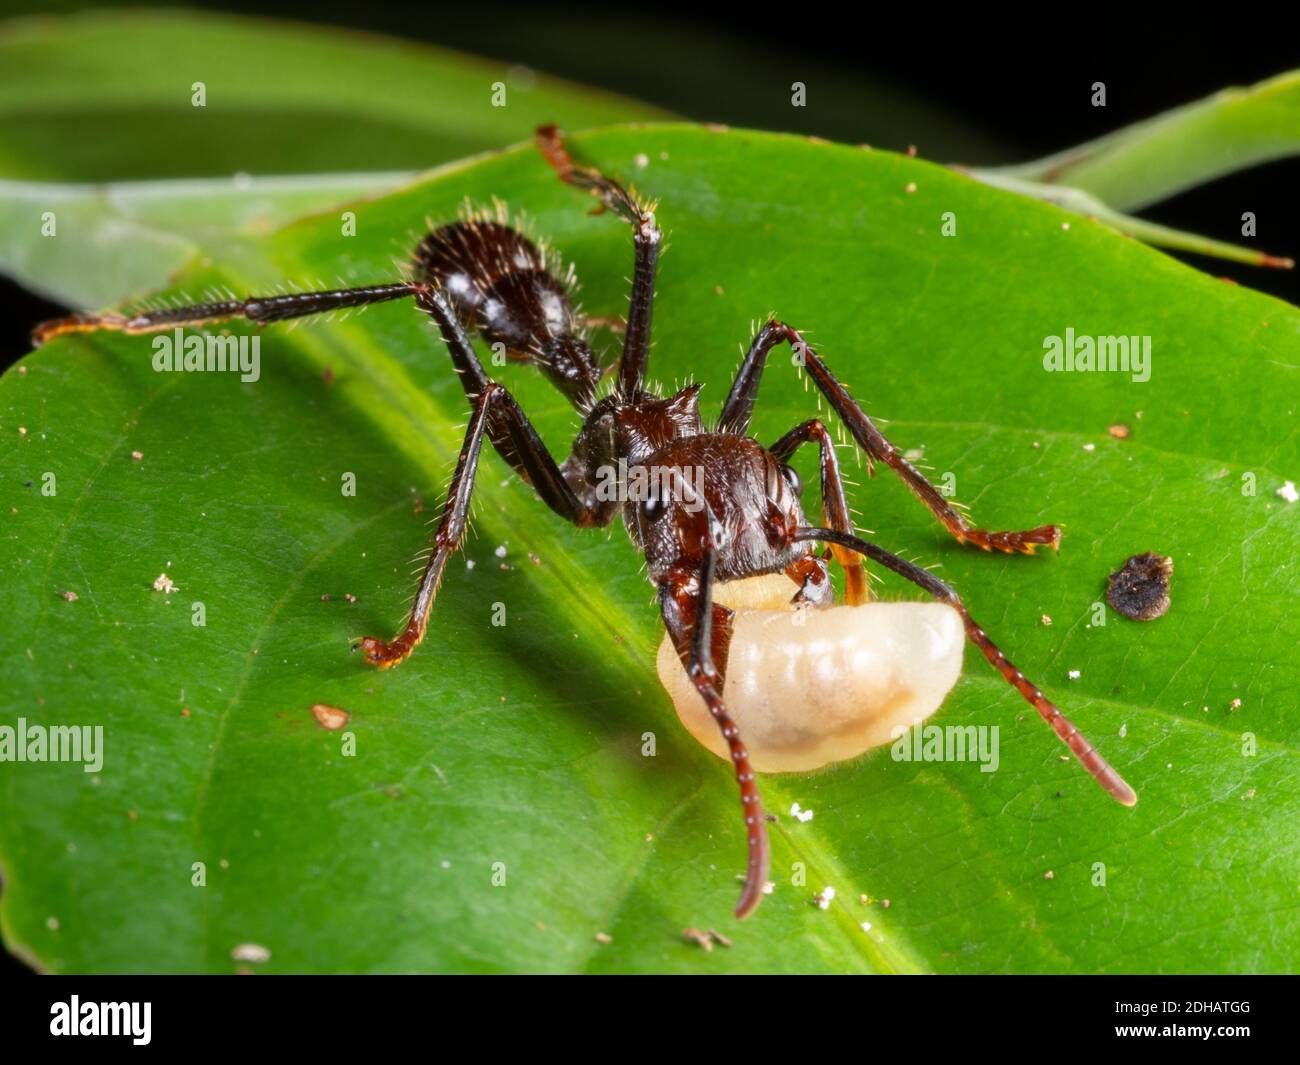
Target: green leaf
{"points": [[521, 744], [1150, 161], [1084, 203], [75, 90]]}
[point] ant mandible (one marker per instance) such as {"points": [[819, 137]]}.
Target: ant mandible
{"points": [[744, 517]]}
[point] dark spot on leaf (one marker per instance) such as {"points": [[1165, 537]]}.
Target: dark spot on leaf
{"points": [[1140, 590]]}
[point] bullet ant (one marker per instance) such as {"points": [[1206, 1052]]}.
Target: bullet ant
{"points": [[482, 276]]}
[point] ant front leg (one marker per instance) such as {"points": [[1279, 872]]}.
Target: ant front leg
{"points": [[646, 238], [701, 633], [1091, 759], [740, 405], [260, 310], [835, 507]]}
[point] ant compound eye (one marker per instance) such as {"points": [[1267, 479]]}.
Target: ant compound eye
{"points": [[792, 479], [653, 507]]}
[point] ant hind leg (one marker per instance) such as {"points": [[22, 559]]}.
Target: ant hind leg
{"points": [[647, 239], [257, 309]]}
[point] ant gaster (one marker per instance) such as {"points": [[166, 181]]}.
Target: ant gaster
{"points": [[480, 275]]}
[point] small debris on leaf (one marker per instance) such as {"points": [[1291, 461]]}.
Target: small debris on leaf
{"points": [[1140, 590], [800, 813], [253, 952], [329, 717]]}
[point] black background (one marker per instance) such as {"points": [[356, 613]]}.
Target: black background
{"points": [[998, 87]]}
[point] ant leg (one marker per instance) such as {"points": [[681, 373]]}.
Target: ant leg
{"points": [[495, 411], [451, 529], [835, 508], [740, 404], [509, 429], [701, 633], [1084, 751], [646, 239], [259, 309]]}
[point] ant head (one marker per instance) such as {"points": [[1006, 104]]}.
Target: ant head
{"points": [[671, 515], [721, 494]]}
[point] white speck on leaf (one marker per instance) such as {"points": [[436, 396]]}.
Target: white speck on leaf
{"points": [[253, 952]]}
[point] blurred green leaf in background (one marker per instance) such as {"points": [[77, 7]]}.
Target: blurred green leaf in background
{"points": [[98, 124]]}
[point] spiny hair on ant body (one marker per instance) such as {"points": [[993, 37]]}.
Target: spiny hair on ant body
{"points": [[744, 535]]}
